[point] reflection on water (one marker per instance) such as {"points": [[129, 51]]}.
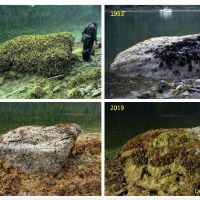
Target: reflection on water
{"points": [[124, 32], [140, 117], [165, 15], [13, 115]]}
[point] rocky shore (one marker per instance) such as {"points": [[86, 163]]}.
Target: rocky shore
{"points": [[143, 68], [140, 88]]}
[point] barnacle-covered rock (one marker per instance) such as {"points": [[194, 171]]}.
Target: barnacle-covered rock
{"points": [[160, 57], [157, 162], [37, 148], [45, 55]]}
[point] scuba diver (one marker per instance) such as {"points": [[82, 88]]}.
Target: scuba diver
{"points": [[89, 35]]}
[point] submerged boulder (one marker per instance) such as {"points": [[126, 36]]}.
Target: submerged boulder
{"points": [[161, 57], [46, 55], [157, 162], [38, 148], [82, 175]]}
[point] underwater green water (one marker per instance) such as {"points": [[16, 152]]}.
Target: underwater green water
{"points": [[87, 115], [124, 32], [139, 117], [27, 20]]}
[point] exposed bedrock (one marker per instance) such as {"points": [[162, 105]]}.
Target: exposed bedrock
{"points": [[38, 148], [161, 57]]}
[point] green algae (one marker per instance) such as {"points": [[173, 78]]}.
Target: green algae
{"points": [[158, 162], [46, 55], [83, 81], [70, 87]]}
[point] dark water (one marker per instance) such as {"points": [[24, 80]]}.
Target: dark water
{"points": [[124, 32], [26, 20], [87, 115], [140, 117]]}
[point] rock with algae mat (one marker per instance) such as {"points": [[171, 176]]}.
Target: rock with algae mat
{"points": [[84, 81], [81, 177], [38, 148], [46, 55], [157, 162], [160, 58]]}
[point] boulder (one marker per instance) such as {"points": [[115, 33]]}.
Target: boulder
{"points": [[38, 148], [82, 175], [46, 55], [157, 162], [161, 57], [163, 86]]}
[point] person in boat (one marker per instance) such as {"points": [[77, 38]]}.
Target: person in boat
{"points": [[89, 36]]}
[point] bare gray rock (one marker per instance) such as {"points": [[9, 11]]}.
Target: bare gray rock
{"points": [[38, 148], [140, 60]]}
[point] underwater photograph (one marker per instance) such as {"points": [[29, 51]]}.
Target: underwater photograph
{"points": [[152, 149], [152, 52], [50, 52], [50, 149]]}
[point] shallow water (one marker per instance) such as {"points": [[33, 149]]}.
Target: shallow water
{"points": [[26, 20], [13, 115], [140, 117], [124, 32]]}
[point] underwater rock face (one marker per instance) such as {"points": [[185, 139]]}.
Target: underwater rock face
{"points": [[157, 162], [46, 55], [161, 57], [82, 175], [38, 148]]}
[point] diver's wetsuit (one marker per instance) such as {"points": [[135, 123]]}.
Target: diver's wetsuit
{"points": [[89, 35]]}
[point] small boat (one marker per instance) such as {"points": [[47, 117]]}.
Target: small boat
{"points": [[166, 10]]}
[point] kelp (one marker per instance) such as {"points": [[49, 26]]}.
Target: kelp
{"points": [[46, 55]]}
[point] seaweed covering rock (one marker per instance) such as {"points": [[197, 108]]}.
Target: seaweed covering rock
{"points": [[37, 148], [158, 162], [162, 57], [45, 55], [182, 53], [82, 175]]}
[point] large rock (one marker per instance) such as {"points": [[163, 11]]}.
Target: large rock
{"points": [[157, 162], [161, 57], [82, 175], [46, 55], [38, 148]]}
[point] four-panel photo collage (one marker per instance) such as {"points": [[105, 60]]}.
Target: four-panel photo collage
{"points": [[100, 100]]}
